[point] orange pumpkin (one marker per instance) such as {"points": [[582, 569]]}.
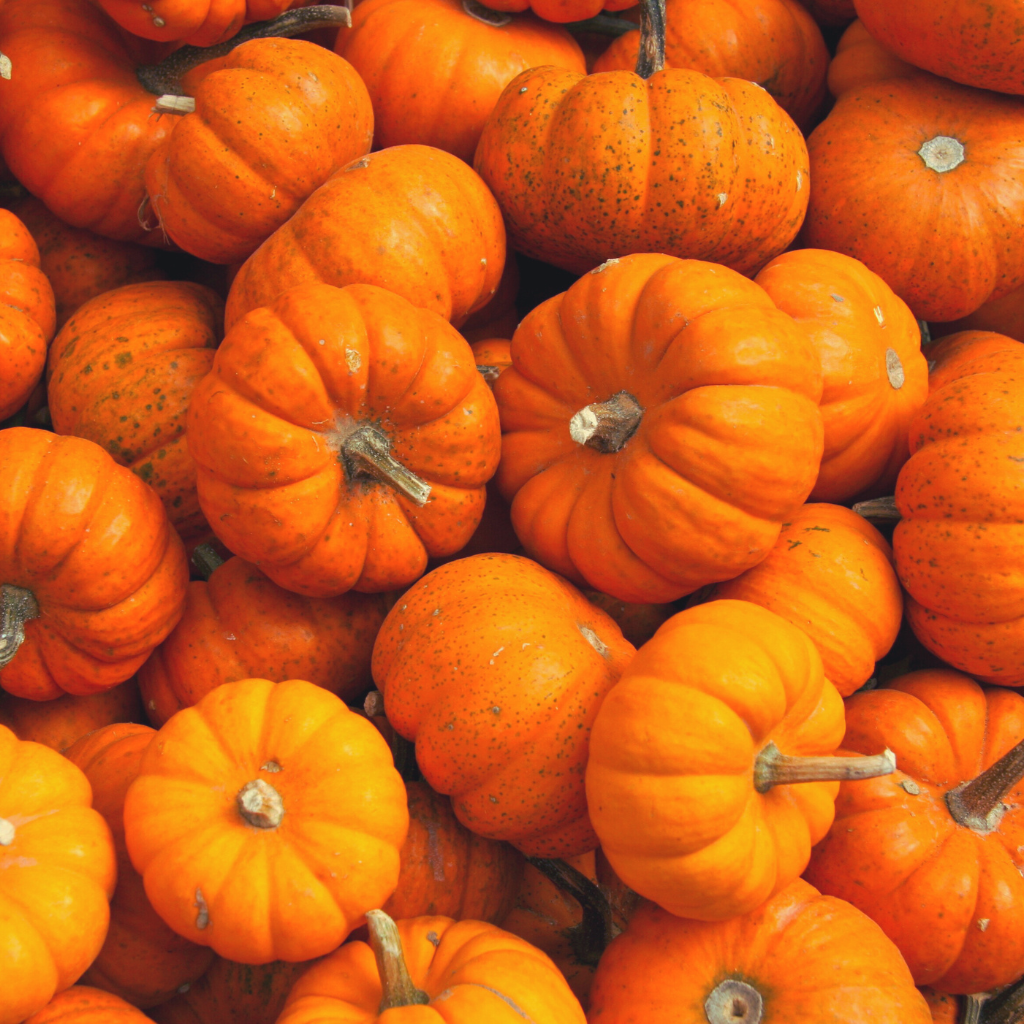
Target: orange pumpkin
{"points": [[561, 10], [142, 960], [638, 622], [121, 373], [499, 318], [694, 754], [831, 12], [945, 1009], [967, 352], [57, 873], [343, 436], [93, 576], [449, 241], [199, 22], [283, 783], [930, 855], [82, 1004], [800, 957], [861, 59], [667, 455], [1005, 316], [495, 668]]}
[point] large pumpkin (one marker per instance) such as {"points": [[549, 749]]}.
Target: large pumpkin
{"points": [[694, 756], [57, 873], [199, 22], [121, 373], [918, 178], [495, 668], [82, 1004], [446, 247], [666, 455], [342, 436], [93, 575], [932, 856]]}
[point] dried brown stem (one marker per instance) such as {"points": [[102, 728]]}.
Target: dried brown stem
{"points": [[607, 426], [773, 768], [17, 606], [367, 451], [978, 804], [396, 983], [652, 38], [734, 1002], [878, 510], [206, 560]]}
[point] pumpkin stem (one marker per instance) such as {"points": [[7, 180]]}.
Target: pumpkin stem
{"points": [[260, 804], [978, 804], [386, 943], [651, 57], [734, 1002], [591, 936], [402, 750], [5, 66], [970, 1011], [489, 373], [878, 510], [496, 19], [607, 426], [603, 24], [773, 768], [7, 832], [1005, 1008], [17, 606], [368, 451], [164, 79], [206, 560]]}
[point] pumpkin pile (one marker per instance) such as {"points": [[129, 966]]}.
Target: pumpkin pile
{"points": [[511, 510]]}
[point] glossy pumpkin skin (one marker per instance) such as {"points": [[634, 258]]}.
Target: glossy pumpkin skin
{"points": [[92, 543], [875, 198], [435, 68], [198, 22], [56, 876], [121, 373], [774, 43], [861, 59], [142, 960], [669, 780], [300, 886], [274, 119], [831, 574], [571, 160], [810, 957], [449, 241], [728, 445], [896, 852], [875, 375], [27, 316], [475, 971], [495, 668], [960, 544], [83, 1004], [267, 428]]}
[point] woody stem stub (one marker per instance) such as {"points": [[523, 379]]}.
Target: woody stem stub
{"points": [[878, 510], [367, 451], [395, 981], [773, 768], [260, 804], [17, 606], [978, 804], [652, 38], [607, 426], [596, 929], [734, 1002]]}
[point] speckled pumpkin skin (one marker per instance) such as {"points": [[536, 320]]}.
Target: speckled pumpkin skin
{"points": [[83, 1004], [197, 22], [561, 10], [586, 168], [496, 667], [860, 59]]}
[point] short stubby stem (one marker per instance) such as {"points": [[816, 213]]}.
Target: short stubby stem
{"points": [[942, 154], [978, 804], [878, 510], [489, 373], [260, 804], [894, 369], [734, 1002], [367, 451], [206, 560], [395, 981], [607, 426], [651, 57], [17, 606], [773, 768], [496, 19]]}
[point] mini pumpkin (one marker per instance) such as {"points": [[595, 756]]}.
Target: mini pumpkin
{"points": [[83, 1004], [1004, 316], [861, 59], [198, 22], [966, 352]]}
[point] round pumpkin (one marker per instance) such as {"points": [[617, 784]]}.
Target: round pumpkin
{"points": [[121, 373], [142, 960], [93, 575], [800, 957], [435, 68], [57, 873], [695, 752], [291, 791], [668, 455], [198, 22], [918, 178], [499, 318], [638, 622], [967, 352], [875, 375], [448, 247], [82, 1004], [940, 875], [1005, 316], [495, 668], [561, 10], [861, 59], [342, 436]]}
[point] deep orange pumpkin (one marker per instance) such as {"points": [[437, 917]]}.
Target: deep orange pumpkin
{"points": [[861, 59], [499, 318], [82, 1004], [967, 352], [1005, 316], [199, 22]]}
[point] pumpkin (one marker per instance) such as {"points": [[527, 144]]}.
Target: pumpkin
{"points": [[273, 120], [590, 167], [945, 1009], [435, 68], [449, 871], [342, 436], [967, 352], [561, 10], [906, 169], [831, 574], [92, 576], [294, 793], [668, 455], [475, 971], [861, 59], [448, 247], [931, 853], [27, 316], [694, 753], [495, 668], [493, 355], [82, 1004], [142, 960], [800, 957], [774, 43], [58, 723], [875, 375], [960, 544], [972, 42], [199, 22], [638, 622], [831, 12], [57, 873], [499, 318], [1005, 316], [121, 373]]}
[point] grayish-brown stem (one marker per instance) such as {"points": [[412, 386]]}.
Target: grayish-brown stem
{"points": [[607, 426], [971, 1007], [17, 606], [1005, 1008], [206, 560], [496, 19], [489, 373], [773, 768], [395, 982], [978, 804], [367, 451], [652, 38], [260, 804], [878, 510], [603, 25], [374, 704], [734, 1002]]}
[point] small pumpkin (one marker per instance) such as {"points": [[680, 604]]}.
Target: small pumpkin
{"points": [[198, 22], [82, 1004], [499, 318], [1003, 316], [561, 11], [861, 59], [966, 352]]}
